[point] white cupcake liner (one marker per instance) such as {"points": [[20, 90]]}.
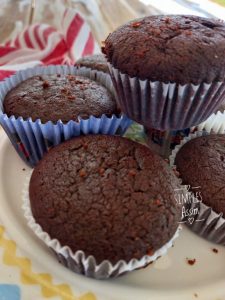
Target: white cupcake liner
{"points": [[78, 261], [32, 139], [207, 223], [215, 123], [166, 106]]}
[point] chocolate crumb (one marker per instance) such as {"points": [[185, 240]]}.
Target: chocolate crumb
{"points": [[215, 250], [101, 171], [157, 31], [78, 81], [71, 77], [136, 24], [45, 84], [196, 295], [191, 262], [150, 252], [24, 169], [82, 173], [158, 202], [85, 145], [132, 172], [71, 97], [188, 33], [140, 53], [167, 20]]}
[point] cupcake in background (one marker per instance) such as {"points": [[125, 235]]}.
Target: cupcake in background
{"points": [[200, 161], [95, 62], [97, 65], [59, 97], [44, 106], [168, 71]]}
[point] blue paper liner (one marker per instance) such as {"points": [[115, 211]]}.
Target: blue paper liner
{"points": [[166, 106], [31, 139]]}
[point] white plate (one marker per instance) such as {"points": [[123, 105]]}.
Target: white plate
{"points": [[171, 277]]}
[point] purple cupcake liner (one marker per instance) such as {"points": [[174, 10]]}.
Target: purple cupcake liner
{"points": [[78, 261], [31, 139], [207, 223], [166, 106]]}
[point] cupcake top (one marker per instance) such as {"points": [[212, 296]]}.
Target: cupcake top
{"points": [[107, 196], [59, 97], [174, 48], [95, 62], [201, 162]]}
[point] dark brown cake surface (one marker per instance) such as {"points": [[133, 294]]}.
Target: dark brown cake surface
{"points": [[201, 162], [106, 195], [177, 48], [95, 62], [55, 97]]}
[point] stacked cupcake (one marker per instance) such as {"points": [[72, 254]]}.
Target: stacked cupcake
{"points": [[105, 204], [169, 73]]}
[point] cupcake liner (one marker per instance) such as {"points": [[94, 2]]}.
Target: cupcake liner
{"points": [[80, 263], [32, 139], [163, 142], [215, 123], [206, 223], [166, 106]]}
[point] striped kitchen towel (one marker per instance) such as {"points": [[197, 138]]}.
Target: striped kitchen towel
{"points": [[41, 44]]}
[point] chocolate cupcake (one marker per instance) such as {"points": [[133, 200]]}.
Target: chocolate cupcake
{"points": [[59, 97], [44, 106], [108, 197], [168, 71], [201, 163], [95, 62]]}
